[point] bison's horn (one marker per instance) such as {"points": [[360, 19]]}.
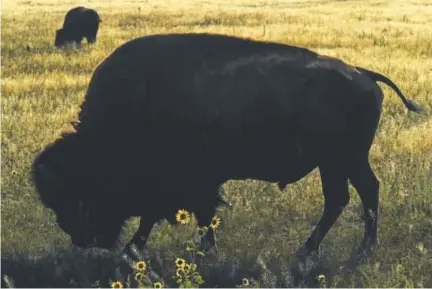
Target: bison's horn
{"points": [[75, 124], [225, 203]]}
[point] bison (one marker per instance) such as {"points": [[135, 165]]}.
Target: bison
{"points": [[167, 119], [79, 23]]}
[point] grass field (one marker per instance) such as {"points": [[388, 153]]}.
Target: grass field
{"points": [[42, 87]]}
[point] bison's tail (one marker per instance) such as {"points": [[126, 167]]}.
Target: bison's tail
{"points": [[379, 77]]}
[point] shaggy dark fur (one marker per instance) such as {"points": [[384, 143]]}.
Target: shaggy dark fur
{"points": [[167, 119], [79, 23]]}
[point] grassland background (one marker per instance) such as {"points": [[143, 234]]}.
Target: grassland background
{"points": [[41, 89]]}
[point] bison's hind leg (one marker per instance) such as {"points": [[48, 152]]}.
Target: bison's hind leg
{"points": [[92, 33], [364, 123], [366, 183]]}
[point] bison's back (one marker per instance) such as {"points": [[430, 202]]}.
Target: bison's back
{"points": [[71, 16], [80, 18], [195, 79], [170, 77]]}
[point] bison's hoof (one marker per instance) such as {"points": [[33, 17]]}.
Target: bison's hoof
{"points": [[360, 254]]}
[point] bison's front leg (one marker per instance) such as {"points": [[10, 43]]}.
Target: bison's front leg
{"points": [[205, 213], [91, 38], [141, 235], [209, 240]]}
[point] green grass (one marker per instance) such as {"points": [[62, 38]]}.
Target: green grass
{"points": [[42, 88]]}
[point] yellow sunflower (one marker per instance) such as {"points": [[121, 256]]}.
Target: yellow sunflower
{"points": [[157, 285], [215, 222], [140, 266], [187, 268], [202, 231], [180, 272], [117, 284], [183, 217], [180, 263], [245, 282], [139, 277]]}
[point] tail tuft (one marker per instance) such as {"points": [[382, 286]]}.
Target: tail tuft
{"points": [[411, 105]]}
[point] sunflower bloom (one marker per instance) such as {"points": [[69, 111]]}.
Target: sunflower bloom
{"points": [[140, 266], [183, 217], [157, 285], [180, 272], [245, 282], [187, 268], [180, 263], [139, 277], [117, 284], [215, 222]]}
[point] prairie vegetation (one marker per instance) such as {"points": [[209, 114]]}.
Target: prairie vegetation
{"points": [[42, 87]]}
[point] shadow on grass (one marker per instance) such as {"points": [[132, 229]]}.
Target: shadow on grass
{"points": [[72, 268], [65, 268]]}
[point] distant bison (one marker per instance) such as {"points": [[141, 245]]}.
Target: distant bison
{"points": [[79, 23], [169, 118]]}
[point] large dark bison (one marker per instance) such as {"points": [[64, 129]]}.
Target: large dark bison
{"points": [[79, 23], [169, 118]]}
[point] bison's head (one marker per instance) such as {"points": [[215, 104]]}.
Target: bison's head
{"points": [[60, 39], [70, 181]]}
